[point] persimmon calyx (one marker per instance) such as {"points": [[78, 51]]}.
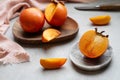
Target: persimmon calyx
{"points": [[100, 33], [56, 2]]}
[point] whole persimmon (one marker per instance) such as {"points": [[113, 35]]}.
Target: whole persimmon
{"points": [[31, 20], [56, 13], [93, 44]]}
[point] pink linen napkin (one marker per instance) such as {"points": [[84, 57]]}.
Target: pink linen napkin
{"points": [[82, 1], [11, 52]]}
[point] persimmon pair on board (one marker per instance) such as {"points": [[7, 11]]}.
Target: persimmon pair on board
{"points": [[32, 19]]}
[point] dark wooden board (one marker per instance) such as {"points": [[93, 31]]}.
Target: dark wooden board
{"points": [[68, 30]]}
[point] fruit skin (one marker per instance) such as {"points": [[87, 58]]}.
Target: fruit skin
{"points": [[50, 34], [52, 63], [93, 44], [56, 14], [101, 20], [31, 20]]}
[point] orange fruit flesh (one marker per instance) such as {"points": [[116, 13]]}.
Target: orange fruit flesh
{"points": [[50, 11], [56, 14], [92, 45], [101, 20], [50, 34], [52, 63]]}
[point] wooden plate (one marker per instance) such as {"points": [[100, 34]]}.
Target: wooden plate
{"points": [[90, 64], [68, 30]]}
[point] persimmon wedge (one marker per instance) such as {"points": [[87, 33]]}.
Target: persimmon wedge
{"points": [[93, 44], [100, 20], [52, 63], [50, 34]]}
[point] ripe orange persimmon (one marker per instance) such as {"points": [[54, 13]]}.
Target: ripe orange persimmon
{"points": [[31, 20], [56, 13], [93, 44], [52, 63]]}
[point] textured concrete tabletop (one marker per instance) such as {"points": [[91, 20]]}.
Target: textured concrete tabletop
{"points": [[33, 71]]}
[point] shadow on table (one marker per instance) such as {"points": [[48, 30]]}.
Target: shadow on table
{"points": [[48, 45], [90, 72]]}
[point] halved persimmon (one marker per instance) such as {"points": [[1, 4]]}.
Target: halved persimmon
{"points": [[93, 44], [56, 13], [52, 63], [50, 34]]}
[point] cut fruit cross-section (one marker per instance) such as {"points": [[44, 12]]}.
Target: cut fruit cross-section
{"points": [[50, 34]]}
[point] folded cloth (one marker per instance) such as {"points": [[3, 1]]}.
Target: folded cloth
{"points": [[8, 10], [83, 1], [11, 52]]}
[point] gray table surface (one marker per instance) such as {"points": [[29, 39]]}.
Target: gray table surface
{"points": [[33, 71]]}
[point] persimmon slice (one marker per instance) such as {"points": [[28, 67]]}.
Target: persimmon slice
{"points": [[100, 20], [93, 44], [52, 63], [50, 34], [49, 11]]}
